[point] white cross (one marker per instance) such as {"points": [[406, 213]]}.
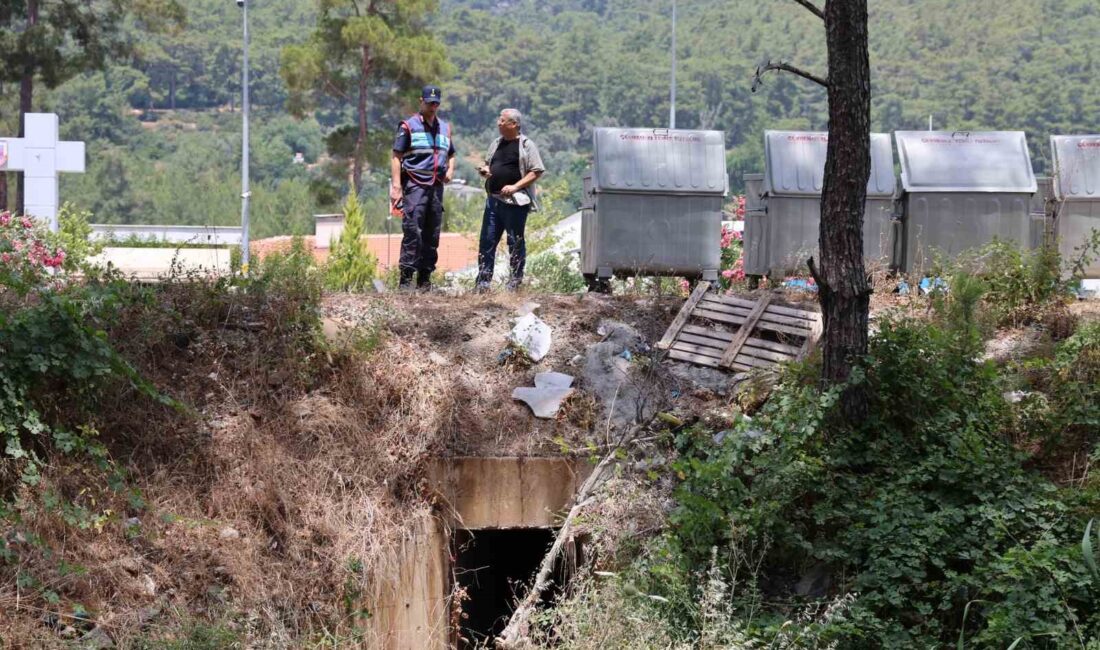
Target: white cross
{"points": [[40, 156]]}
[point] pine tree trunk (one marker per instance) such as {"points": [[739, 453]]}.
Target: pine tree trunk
{"points": [[843, 288], [361, 140], [5, 23], [26, 97]]}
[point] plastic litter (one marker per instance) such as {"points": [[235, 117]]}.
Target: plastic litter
{"points": [[553, 380], [928, 285], [532, 336], [550, 391], [800, 284]]}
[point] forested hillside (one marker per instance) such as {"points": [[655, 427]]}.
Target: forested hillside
{"points": [[163, 133]]}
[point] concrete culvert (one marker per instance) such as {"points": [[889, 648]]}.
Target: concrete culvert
{"points": [[494, 568]]}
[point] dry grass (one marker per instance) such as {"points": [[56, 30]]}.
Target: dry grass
{"points": [[275, 506]]}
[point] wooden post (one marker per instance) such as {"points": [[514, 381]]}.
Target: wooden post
{"points": [[746, 329], [682, 318]]}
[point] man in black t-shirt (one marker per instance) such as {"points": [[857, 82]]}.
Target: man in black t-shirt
{"points": [[512, 165]]}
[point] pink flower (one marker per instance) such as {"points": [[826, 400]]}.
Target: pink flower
{"points": [[5, 257], [738, 269], [5, 218], [727, 237], [685, 286], [56, 260], [26, 221]]}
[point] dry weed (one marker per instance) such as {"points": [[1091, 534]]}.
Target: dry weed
{"points": [[277, 504]]}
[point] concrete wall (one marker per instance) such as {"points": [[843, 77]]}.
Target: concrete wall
{"points": [[218, 235], [152, 263], [410, 609], [508, 492]]}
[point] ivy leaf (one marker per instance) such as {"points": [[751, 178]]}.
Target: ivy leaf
{"points": [[1087, 550]]}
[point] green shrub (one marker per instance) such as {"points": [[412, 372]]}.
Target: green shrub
{"points": [[196, 635], [918, 510], [1059, 412], [351, 266], [290, 284], [960, 308], [1019, 284], [55, 358], [550, 272], [74, 237]]}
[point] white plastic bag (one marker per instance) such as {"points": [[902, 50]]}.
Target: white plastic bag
{"points": [[532, 336]]}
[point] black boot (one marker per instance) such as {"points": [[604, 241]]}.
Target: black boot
{"points": [[405, 283], [424, 281]]}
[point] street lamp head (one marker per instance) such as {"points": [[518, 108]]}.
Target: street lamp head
{"points": [[240, 3]]}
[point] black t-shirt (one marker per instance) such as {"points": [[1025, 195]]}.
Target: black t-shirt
{"points": [[504, 168]]}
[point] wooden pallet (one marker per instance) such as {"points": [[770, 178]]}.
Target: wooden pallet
{"points": [[767, 334]]}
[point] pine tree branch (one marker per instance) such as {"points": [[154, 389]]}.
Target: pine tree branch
{"points": [[518, 625], [811, 8], [758, 78], [822, 285]]}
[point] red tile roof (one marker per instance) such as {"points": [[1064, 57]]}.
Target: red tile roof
{"points": [[457, 251]]}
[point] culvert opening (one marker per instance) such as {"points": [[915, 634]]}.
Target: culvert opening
{"points": [[495, 568]]}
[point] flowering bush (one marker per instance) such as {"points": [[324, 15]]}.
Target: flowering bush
{"points": [[733, 260], [26, 259]]}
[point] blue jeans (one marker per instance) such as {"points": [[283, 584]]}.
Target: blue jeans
{"points": [[500, 218]]}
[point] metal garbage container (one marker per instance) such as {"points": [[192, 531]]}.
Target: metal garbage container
{"points": [[1042, 228], [1076, 194], [783, 231], [960, 190], [653, 204], [754, 242]]}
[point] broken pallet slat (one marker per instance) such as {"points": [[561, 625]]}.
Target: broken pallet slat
{"points": [[698, 359], [746, 328], [777, 309], [767, 334], [685, 313], [704, 341], [726, 337], [697, 349], [737, 320], [811, 341], [783, 329], [779, 319], [752, 362], [761, 353]]}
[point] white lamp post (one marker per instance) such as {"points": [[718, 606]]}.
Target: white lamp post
{"points": [[246, 194], [672, 82]]}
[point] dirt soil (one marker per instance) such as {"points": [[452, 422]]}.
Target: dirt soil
{"points": [[278, 502], [464, 339]]}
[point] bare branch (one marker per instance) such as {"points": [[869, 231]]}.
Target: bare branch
{"points": [[758, 78], [811, 8], [822, 285]]}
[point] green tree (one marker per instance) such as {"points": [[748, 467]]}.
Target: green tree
{"points": [[54, 40], [359, 46], [351, 266], [843, 290]]}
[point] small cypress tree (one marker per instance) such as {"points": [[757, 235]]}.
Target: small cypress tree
{"points": [[351, 266]]}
